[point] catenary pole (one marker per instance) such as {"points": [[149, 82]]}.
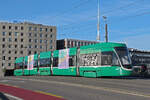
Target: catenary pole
{"points": [[98, 21]]}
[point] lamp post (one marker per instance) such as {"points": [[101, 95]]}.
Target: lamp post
{"points": [[98, 21], [106, 30]]}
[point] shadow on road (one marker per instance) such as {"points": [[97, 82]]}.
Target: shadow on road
{"points": [[129, 77]]}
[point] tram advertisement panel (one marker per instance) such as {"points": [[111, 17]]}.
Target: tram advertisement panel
{"points": [[30, 62], [92, 59], [63, 59]]}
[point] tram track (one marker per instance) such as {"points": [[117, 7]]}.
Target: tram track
{"points": [[129, 90], [121, 82]]}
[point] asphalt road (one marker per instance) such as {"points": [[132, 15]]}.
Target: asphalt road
{"points": [[80, 88]]}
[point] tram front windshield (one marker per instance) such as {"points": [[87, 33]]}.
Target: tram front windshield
{"points": [[124, 57]]}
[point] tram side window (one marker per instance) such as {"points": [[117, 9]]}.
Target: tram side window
{"points": [[45, 62], [72, 60], [55, 62], [35, 63], [18, 65], [106, 58], [25, 64], [115, 60]]}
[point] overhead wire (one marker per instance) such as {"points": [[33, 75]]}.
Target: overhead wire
{"points": [[119, 8], [122, 7], [74, 7]]}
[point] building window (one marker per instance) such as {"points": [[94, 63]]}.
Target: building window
{"points": [[75, 43], [16, 33], [35, 29], [3, 58], [15, 52], [9, 39], [15, 39], [29, 52], [16, 28], [46, 35], [40, 35], [51, 30], [9, 33], [9, 27], [9, 58], [4, 27], [21, 52], [46, 30], [46, 42], [40, 29], [68, 43], [51, 47], [78, 43], [35, 40], [36, 46], [29, 34], [30, 40], [35, 35], [9, 52], [30, 46], [3, 39], [3, 64], [4, 33], [30, 28], [71, 43], [51, 35], [40, 41], [21, 46], [21, 40], [40, 46], [9, 45], [9, 64], [15, 58], [3, 46], [35, 52], [22, 28], [21, 34], [51, 41], [3, 52], [15, 46]]}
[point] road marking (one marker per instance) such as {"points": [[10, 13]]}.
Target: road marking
{"points": [[6, 84], [4, 80], [48, 94], [14, 86], [11, 96], [11, 81], [120, 91]]}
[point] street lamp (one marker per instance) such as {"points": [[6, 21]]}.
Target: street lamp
{"points": [[106, 30]]}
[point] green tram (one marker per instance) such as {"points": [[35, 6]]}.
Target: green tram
{"points": [[97, 60]]}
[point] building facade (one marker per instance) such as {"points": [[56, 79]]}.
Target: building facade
{"points": [[69, 43], [22, 39]]}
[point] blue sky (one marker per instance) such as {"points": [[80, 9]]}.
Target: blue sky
{"points": [[128, 20]]}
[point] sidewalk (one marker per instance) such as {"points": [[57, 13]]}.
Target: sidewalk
{"points": [[25, 94]]}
